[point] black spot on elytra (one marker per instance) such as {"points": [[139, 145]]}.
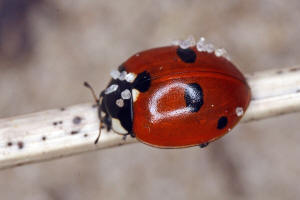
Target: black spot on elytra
{"points": [[44, 138], [20, 145], [186, 55], [222, 122], [142, 82], [74, 132], [193, 96], [9, 144], [77, 120]]}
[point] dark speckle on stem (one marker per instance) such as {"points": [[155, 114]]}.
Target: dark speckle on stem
{"points": [[9, 144], [20, 145], [62, 109], [85, 135], [74, 132], [77, 120], [294, 69], [44, 138], [56, 123]]}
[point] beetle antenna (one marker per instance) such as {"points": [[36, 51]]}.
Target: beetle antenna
{"points": [[86, 84]]}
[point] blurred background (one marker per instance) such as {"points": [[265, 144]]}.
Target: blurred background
{"points": [[48, 48]]}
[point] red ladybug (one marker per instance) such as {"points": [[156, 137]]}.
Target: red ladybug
{"points": [[175, 96]]}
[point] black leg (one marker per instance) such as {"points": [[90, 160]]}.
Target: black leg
{"points": [[107, 122], [204, 145], [132, 134]]}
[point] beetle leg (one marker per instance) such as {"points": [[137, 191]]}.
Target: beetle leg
{"points": [[107, 121], [125, 136], [132, 134], [204, 145]]}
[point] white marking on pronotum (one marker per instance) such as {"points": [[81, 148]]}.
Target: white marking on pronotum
{"points": [[239, 111], [111, 89], [117, 127], [115, 74], [126, 94], [120, 102], [102, 114], [130, 77], [135, 94]]}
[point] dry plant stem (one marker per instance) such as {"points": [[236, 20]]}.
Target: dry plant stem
{"points": [[274, 92], [67, 131]]}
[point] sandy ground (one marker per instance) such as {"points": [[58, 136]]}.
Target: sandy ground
{"points": [[48, 48]]}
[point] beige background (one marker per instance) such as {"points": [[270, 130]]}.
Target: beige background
{"points": [[48, 48]]}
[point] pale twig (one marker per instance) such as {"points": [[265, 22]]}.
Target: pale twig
{"points": [[67, 131]]}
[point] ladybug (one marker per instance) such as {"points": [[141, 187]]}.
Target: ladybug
{"points": [[176, 96]]}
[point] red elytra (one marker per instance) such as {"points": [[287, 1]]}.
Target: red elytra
{"points": [[160, 118], [171, 97]]}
